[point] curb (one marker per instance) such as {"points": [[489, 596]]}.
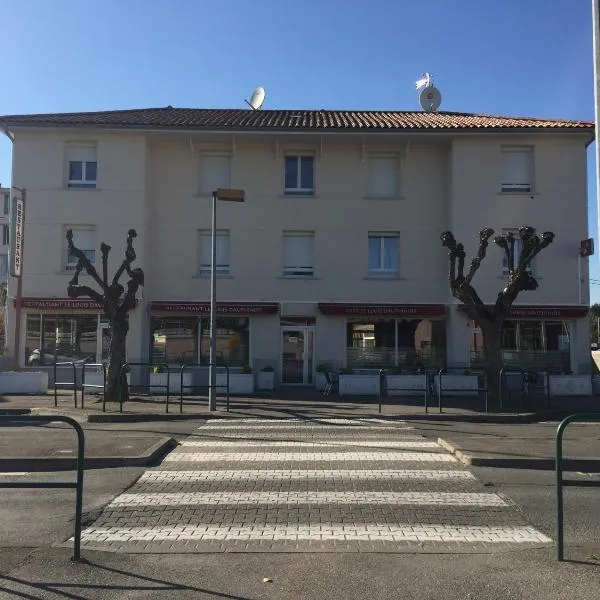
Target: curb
{"points": [[141, 418], [586, 465], [37, 463]]}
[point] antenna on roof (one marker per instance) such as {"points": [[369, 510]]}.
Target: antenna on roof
{"points": [[257, 98], [430, 97]]}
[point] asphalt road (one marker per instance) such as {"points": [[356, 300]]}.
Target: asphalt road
{"points": [[30, 567]]}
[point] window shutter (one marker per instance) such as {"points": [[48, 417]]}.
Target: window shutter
{"points": [[222, 262], [383, 176], [84, 239], [82, 153], [215, 172], [517, 167], [298, 254]]}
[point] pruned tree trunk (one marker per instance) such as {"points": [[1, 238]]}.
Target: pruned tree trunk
{"points": [[491, 319], [116, 379]]}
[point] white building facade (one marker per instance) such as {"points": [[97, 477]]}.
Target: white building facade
{"points": [[334, 259]]}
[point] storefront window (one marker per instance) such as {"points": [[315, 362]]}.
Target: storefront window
{"points": [[175, 340], [232, 343], [60, 338], [404, 343]]}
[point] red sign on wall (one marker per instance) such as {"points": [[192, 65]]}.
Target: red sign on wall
{"points": [[543, 312], [223, 308], [383, 310], [60, 304]]}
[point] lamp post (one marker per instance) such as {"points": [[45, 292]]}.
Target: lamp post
{"points": [[226, 195]]}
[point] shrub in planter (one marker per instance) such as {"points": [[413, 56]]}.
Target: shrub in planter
{"points": [[268, 369], [322, 368], [346, 371], [246, 369]]}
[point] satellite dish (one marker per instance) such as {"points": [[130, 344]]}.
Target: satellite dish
{"points": [[257, 98], [430, 98]]}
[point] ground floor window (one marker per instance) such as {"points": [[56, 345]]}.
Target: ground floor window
{"points": [[186, 340], [62, 338], [529, 344], [403, 343]]}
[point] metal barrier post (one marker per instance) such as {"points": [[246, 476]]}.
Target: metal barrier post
{"points": [[227, 391], [74, 384], [78, 485], [93, 385], [440, 372], [381, 386]]}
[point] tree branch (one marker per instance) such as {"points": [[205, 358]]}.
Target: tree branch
{"points": [[77, 291], [484, 236], [130, 256], [82, 261]]}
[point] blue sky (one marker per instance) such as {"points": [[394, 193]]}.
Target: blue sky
{"points": [[510, 57]]}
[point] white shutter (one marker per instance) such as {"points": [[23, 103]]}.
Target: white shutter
{"points": [[383, 176], [215, 172], [205, 252], [298, 254], [82, 152], [517, 169], [85, 240], [222, 253], [222, 263]]}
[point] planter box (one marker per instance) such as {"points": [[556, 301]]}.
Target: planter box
{"points": [[405, 385], [94, 377], [320, 381], [160, 381], [457, 385], [266, 380], [239, 383], [570, 385], [358, 385], [23, 382]]}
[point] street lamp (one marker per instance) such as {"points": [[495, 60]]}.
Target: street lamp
{"points": [[226, 195]]}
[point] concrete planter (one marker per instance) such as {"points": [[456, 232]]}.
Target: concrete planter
{"points": [[457, 385], [160, 381], [355, 384], [405, 385], [570, 385], [266, 381], [320, 381], [239, 383], [23, 382]]}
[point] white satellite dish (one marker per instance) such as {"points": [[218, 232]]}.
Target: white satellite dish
{"points": [[257, 98], [430, 98]]}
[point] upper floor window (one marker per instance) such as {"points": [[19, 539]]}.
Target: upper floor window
{"points": [[517, 253], [214, 173], [82, 165], [5, 235], [383, 254], [6, 203], [517, 169], [222, 251], [298, 253], [84, 238], [383, 176], [300, 175]]}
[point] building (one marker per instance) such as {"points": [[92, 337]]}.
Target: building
{"points": [[334, 258]]}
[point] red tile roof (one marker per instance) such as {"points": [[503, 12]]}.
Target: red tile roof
{"points": [[282, 120]]}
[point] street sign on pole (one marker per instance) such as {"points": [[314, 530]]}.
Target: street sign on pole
{"points": [[16, 239]]}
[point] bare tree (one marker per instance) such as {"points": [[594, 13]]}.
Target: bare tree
{"points": [[519, 279], [116, 301]]}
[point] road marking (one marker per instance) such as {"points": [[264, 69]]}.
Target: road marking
{"points": [[307, 456], [299, 474], [302, 426], [296, 444], [307, 421], [14, 474], [308, 497], [373, 532]]}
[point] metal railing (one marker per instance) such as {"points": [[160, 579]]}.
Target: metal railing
{"points": [[560, 482], [203, 366], [479, 389], [528, 387], [384, 388], [65, 383], [94, 385], [126, 367], [25, 420]]}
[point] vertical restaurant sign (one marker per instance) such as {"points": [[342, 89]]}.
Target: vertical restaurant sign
{"points": [[16, 240]]}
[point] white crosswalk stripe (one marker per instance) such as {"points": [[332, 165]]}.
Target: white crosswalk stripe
{"points": [[229, 484]]}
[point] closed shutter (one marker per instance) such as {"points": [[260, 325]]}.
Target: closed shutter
{"points": [[383, 176], [215, 173], [298, 258]]}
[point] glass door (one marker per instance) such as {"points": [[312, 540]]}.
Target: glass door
{"points": [[297, 355]]}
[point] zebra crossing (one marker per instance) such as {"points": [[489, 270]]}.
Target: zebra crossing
{"points": [[334, 485]]}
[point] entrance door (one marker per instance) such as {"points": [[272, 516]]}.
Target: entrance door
{"points": [[297, 350]]}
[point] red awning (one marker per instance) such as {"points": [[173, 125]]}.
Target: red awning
{"points": [[60, 304], [414, 311], [543, 312], [223, 308]]}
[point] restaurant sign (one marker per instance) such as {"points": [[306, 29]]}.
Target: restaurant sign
{"points": [[383, 310], [223, 308]]}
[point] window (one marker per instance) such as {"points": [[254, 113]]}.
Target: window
{"points": [[518, 246], [6, 203], [298, 253], [517, 169], [3, 265], [299, 175], [383, 254], [5, 235], [84, 239], [82, 165], [383, 176], [215, 172], [205, 259]]}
